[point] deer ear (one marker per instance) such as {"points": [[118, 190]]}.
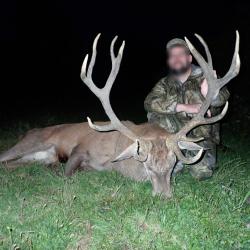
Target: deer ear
{"points": [[189, 145], [128, 153], [142, 150], [138, 150]]}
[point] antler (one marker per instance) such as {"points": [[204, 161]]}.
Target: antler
{"points": [[214, 86], [103, 94]]}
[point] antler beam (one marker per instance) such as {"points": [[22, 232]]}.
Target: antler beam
{"points": [[103, 94], [214, 86]]}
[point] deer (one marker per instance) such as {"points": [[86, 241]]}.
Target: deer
{"points": [[143, 152]]}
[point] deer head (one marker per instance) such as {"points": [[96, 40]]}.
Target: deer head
{"points": [[159, 154]]}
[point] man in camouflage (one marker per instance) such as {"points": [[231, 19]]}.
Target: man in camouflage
{"points": [[176, 98]]}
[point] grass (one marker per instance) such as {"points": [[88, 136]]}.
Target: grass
{"points": [[41, 209]]}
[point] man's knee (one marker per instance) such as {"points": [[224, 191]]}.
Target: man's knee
{"points": [[204, 168], [210, 155]]}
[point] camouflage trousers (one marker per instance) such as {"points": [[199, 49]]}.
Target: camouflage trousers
{"points": [[203, 169]]}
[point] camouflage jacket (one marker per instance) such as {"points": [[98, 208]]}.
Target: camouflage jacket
{"points": [[162, 100]]}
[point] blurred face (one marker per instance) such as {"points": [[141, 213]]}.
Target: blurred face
{"points": [[179, 60]]}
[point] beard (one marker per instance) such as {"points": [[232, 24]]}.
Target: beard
{"points": [[177, 72]]}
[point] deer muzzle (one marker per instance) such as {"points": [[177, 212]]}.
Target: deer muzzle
{"points": [[161, 185]]}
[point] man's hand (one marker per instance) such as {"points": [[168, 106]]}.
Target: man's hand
{"points": [[204, 86], [204, 90], [195, 108], [188, 108]]}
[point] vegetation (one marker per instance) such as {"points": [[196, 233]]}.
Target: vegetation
{"points": [[41, 209]]}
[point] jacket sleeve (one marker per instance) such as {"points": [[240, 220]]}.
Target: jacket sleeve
{"points": [[222, 98], [160, 100]]}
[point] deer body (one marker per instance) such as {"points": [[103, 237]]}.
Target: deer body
{"points": [[82, 147], [95, 150]]}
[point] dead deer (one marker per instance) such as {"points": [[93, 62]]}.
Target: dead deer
{"points": [[142, 152]]}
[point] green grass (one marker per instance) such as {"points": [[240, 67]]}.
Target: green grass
{"points": [[41, 209]]}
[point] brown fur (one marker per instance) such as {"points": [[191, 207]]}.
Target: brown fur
{"points": [[93, 150]]}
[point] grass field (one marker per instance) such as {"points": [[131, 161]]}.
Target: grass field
{"points": [[41, 209]]}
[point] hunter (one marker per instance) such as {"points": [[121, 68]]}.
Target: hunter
{"points": [[176, 98]]}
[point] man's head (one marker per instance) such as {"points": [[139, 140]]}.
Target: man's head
{"points": [[179, 58]]}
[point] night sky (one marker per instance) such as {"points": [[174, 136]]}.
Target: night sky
{"points": [[43, 44]]}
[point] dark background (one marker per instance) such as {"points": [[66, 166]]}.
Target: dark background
{"points": [[43, 43]]}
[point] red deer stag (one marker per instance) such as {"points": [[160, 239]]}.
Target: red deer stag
{"points": [[142, 152]]}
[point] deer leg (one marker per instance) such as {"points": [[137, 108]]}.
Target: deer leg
{"points": [[81, 160], [46, 156], [73, 163]]}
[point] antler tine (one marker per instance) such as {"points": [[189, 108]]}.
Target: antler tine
{"points": [[93, 58], [104, 93], [172, 142], [189, 160], [213, 87], [235, 65], [116, 61], [103, 128], [87, 77], [208, 54], [112, 54]]}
